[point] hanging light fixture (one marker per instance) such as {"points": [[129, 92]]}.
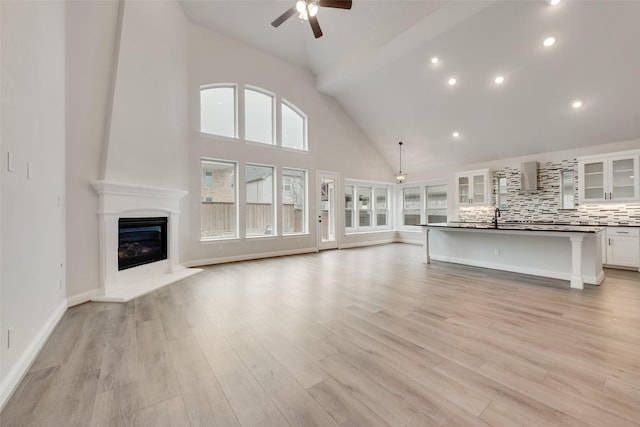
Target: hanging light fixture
{"points": [[401, 177]]}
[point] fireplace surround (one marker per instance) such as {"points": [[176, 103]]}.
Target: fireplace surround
{"points": [[137, 204]]}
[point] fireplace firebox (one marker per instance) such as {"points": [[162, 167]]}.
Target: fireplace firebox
{"points": [[141, 241]]}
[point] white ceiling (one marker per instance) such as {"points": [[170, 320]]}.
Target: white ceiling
{"points": [[375, 60]]}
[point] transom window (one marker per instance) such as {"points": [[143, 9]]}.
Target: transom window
{"points": [[294, 123], [219, 116], [258, 116], [218, 111]]}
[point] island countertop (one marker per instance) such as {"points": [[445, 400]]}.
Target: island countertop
{"points": [[518, 226]]}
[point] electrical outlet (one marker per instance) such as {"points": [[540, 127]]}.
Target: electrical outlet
{"points": [[496, 252]]}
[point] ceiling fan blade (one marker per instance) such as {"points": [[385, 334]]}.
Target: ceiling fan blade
{"points": [[280, 19], [338, 4], [313, 21]]}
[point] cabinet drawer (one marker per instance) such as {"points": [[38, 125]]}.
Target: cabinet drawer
{"points": [[623, 231]]}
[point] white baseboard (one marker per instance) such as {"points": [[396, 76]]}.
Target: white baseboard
{"points": [[22, 365], [248, 257], [367, 243], [82, 298]]}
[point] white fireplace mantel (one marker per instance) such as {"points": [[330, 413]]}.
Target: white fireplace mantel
{"points": [[120, 200]]}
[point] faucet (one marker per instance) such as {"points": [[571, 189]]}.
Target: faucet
{"points": [[496, 214]]}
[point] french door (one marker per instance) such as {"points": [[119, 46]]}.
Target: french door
{"points": [[326, 210]]}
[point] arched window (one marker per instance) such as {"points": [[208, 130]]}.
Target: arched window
{"points": [[294, 127], [218, 110], [258, 116]]}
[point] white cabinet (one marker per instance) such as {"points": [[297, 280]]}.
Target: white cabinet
{"points": [[623, 246], [471, 188], [611, 178]]}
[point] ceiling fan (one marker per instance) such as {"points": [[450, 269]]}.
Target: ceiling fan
{"points": [[307, 10]]}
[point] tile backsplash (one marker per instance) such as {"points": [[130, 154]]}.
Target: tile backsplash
{"points": [[545, 204]]}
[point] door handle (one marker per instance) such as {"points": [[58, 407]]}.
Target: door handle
{"points": [[609, 241]]}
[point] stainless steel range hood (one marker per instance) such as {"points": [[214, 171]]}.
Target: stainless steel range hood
{"points": [[529, 176]]}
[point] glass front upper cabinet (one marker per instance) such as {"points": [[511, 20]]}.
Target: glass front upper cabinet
{"points": [[472, 188], [608, 179]]}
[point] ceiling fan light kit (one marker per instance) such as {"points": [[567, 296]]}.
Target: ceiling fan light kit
{"points": [[307, 11]]}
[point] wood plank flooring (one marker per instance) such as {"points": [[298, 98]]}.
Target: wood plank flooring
{"points": [[358, 337]]}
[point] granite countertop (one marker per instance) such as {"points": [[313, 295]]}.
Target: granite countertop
{"points": [[520, 226]]}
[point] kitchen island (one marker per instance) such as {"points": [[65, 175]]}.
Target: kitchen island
{"points": [[567, 252]]}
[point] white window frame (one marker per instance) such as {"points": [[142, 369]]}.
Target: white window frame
{"points": [[273, 114], [374, 227], [305, 213], [274, 198], [235, 109], [305, 126], [235, 196]]}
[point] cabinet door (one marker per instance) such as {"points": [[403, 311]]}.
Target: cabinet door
{"points": [[479, 191], [623, 178], [623, 251], [464, 190], [593, 181]]}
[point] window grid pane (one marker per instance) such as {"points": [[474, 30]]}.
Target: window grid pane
{"points": [[293, 128], [411, 206], [294, 196], [218, 111], [381, 207], [259, 208], [364, 207], [258, 116], [218, 201], [348, 206]]}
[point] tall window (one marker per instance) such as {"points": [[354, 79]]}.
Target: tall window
{"points": [[364, 207], [218, 111], [259, 207], [382, 207], [436, 203], [294, 196], [219, 209], [411, 206], [294, 127], [348, 206], [258, 116]]}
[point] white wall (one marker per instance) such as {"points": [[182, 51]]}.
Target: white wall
{"points": [[91, 36], [148, 134], [33, 227], [336, 143], [127, 113]]}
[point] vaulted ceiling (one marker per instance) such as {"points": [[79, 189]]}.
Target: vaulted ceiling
{"points": [[375, 59]]}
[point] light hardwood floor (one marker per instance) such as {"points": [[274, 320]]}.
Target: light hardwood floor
{"points": [[368, 337]]}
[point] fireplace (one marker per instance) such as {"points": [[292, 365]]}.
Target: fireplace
{"points": [[139, 235], [141, 241]]}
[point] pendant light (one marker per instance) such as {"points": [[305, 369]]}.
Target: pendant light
{"points": [[401, 177]]}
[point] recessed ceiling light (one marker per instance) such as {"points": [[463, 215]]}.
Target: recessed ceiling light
{"points": [[452, 81], [576, 104], [434, 59], [554, 2], [549, 41], [456, 134], [499, 80]]}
